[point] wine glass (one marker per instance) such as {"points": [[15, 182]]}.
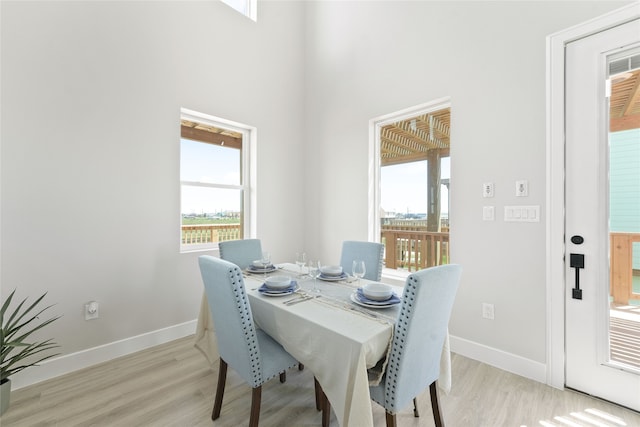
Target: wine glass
{"points": [[301, 261], [314, 272], [358, 269], [266, 262]]}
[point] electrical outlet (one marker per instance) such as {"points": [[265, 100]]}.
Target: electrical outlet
{"points": [[522, 188], [487, 311], [91, 310], [487, 189]]}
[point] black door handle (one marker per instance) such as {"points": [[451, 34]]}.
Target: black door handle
{"points": [[577, 261]]}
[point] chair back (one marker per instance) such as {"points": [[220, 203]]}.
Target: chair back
{"points": [[231, 313], [369, 252], [241, 252], [420, 331]]}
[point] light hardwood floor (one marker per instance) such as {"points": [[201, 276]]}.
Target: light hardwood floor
{"points": [[171, 385]]}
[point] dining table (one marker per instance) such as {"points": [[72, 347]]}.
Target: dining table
{"points": [[343, 342]]}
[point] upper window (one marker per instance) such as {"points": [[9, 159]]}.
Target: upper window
{"points": [[215, 181], [246, 7]]}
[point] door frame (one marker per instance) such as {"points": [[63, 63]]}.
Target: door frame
{"points": [[555, 170]]}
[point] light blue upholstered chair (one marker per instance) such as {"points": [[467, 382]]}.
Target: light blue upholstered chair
{"points": [[369, 252], [420, 331], [253, 354], [241, 252]]}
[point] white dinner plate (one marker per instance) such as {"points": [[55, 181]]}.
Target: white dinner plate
{"points": [[393, 300], [343, 276], [254, 270], [263, 290], [381, 304]]}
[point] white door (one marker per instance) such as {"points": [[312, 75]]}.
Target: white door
{"points": [[589, 367]]}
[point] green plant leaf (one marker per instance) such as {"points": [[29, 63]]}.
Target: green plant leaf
{"points": [[16, 354]]}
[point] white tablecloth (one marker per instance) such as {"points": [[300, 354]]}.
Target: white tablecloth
{"points": [[336, 343]]}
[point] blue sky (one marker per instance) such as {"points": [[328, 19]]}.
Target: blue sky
{"points": [[402, 185], [209, 163]]}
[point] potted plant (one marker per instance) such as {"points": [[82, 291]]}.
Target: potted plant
{"points": [[16, 352]]}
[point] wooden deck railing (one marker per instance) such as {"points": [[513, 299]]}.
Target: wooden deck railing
{"points": [[411, 247], [621, 269], [210, 233]]}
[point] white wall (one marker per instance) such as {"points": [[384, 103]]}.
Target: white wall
{"points": [[367, 59], [91, 98], [91, 93]]}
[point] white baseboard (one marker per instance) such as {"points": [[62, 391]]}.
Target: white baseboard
{"points": [[92, 356], [500, 359]]}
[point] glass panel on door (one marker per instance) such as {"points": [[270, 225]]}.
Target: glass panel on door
{"points": [[624, 209]]}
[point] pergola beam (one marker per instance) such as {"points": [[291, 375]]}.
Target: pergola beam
{"points": [[632, 99], [388, 159], [624, 123], [411, 144], [210, 137], [418, 134], [437, 125], [416, 138]]}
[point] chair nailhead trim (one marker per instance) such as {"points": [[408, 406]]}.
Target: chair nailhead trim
{"points": [[397, 348], [248, 327]]}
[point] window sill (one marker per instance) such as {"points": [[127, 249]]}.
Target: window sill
{"points": [[397, 277], [185, 249]]}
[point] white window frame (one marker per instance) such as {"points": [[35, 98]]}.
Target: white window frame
{"points": [[375, 127], [248, 8], [248, 182]]}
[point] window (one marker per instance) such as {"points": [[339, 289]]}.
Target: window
{"points": [[410, 187], [246, 7], [216, 191]]}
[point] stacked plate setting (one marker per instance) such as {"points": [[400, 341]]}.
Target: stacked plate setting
{"points": [[375, 295], [278, 286], [258, 267], [332, 273]]}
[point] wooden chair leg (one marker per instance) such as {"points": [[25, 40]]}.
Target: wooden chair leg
{"points": [[222, 378], [283, 377], [435, 406], [322, 403], [326, 410], [318, 390], [391, 420], [415, 407], [256, 396]]}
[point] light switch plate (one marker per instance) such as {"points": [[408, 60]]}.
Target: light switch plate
{"points": [[488, 213], [522, 213]]}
